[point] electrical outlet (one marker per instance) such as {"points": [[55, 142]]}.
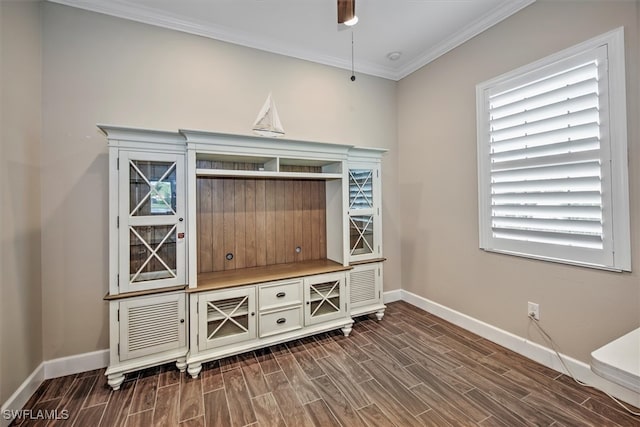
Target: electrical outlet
{"points": [[533, 309]]}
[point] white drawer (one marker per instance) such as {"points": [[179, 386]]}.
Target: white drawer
{"points": [[280, 321], [276, 295]]}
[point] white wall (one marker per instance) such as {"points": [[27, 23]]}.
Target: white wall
{"points": [[582, 308], [100, 69], [20, 131]]}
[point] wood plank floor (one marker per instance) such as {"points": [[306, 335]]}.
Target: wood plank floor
{"points": [[410, 369]]}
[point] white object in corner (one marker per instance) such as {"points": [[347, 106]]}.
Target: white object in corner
{"points": [[619, 361]]}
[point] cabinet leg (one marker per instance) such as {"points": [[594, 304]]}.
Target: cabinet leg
{"points": [[115, 381], [346, 330], [181, 364], [194, 369], [380, 314]]}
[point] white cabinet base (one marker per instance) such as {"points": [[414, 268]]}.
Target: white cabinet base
{"points": [[116, 373], [346, 330], [378, 310], [146, 331], [195, 360], [236, 320]]}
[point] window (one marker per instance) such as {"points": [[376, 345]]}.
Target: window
{"points": [[552, 158], [161, 198]]}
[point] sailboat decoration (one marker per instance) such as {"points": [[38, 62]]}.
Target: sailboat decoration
{"points": [[268, 122]]}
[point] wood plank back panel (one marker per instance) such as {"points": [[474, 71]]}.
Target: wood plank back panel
{"points": [[217, 251], [260, 221], [298, 219], [279, 210], [306, 221], [270, 220], [260, 224], [229, 222], [289, 217], [240, 214], [205, 224]]}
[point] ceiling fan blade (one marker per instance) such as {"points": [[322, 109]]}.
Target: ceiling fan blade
{"points": [[346, 10]]}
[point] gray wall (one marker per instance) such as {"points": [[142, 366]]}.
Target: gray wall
{"points": [[20, 130], [581, 308]]}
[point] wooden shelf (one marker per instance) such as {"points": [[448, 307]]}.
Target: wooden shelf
{"points": [[249, 276], [367, 261], [109, 297], [217, 316], [324, 310], [266, 174], [227, 330], [317, 297]]}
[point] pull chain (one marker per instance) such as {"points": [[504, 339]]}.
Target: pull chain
{"points": [[353, 75]]}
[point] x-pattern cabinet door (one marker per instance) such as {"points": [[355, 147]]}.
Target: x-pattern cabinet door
{"points": [[226, 317], [325, 298], [151, 221], [364, 211]]}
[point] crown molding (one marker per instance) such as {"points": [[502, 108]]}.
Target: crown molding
{"points": [[502, 12], [151, 16]]}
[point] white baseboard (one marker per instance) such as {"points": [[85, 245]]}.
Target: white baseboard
{"points": [[53, 369], [523, 346], [391, 296], [75, 364], [20, 397]]}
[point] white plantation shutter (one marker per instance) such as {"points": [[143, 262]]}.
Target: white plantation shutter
{"points": [[545, 151], [546, 158]]}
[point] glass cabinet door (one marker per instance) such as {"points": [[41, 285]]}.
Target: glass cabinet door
{"points": [[325, 298], [363, 212], [151, 221], [226, 317]]}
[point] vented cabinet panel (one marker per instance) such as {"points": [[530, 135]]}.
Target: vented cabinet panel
{"points": [[365, 285], [150, 325]]}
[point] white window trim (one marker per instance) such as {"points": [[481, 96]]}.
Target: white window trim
{"points": [[617, 128]]}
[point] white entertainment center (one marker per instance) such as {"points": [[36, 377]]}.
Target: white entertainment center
{"points": [[221, 244]]}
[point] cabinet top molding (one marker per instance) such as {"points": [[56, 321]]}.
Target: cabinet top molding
{"points": [[207, 141]]}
